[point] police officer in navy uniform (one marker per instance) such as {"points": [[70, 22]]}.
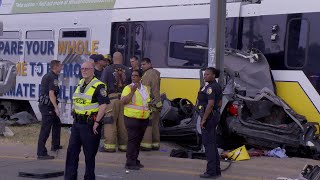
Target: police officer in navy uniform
{"points": [[208, 104], [90, 101], [100, 63], [48, 105]]}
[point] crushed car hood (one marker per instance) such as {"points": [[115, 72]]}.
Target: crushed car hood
{"points": [[249, 72]]}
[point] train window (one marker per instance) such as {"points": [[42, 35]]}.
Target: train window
{"points": [[9, 46], [40, 34], [297, 42], [74, 34], [122, 41], [10, 35], [39, 47], [180, 53], [74, 47], [138, 44]]}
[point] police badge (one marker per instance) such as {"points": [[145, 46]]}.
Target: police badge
{"points": [[209, 90], [103, 92], [56, 82]]}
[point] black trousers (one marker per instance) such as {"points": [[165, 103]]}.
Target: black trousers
{"points": [[82, 135], [136, 129], [209, 141], [48, 122]]}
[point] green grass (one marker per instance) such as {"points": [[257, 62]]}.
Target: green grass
{"points": [[28, 135]]}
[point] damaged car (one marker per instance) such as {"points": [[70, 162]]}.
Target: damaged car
{"points": [[251, 113], [254, 115], [178, 121]]}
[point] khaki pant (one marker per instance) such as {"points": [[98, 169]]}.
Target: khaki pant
{"points": [[151, 138], [115, 131]]}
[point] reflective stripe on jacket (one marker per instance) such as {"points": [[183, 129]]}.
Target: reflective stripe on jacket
{"points": [[137, 107], [82, 102]]}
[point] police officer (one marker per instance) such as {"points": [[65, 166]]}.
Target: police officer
{"points": [[116, 77], [90, 102], [208, 104], [99, 64], [48, 105]]}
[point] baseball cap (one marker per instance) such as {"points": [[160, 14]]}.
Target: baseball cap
{"points": [[107, 57], [92, 56], [97, 57]]}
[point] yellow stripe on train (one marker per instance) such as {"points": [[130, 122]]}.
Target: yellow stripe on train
{"points": [[293, 94], [180, 88]]}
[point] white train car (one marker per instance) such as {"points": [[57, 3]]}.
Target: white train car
{"points": [[70, 30]]}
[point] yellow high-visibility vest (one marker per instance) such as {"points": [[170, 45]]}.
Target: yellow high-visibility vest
{"points": [[136, 108], [82, 102]]}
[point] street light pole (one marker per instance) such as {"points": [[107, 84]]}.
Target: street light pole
{"points": [[217, 35], [1, 28]]}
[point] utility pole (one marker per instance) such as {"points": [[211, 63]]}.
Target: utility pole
{"points": [[217, 26], [1, 28]]}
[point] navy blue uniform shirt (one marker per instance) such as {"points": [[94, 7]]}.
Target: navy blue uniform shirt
{"points": [[212, 91], [49, 82], [97, 73]]}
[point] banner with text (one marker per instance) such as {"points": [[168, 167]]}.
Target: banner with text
{"points": [[38, 6]]}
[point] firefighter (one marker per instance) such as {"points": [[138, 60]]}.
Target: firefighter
{"points": [[208, 104], [136, 98], [90, 102], [116, 76], [151, 78], [134, 62]]}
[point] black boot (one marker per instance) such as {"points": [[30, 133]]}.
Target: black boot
{"points": [[208, 176]]}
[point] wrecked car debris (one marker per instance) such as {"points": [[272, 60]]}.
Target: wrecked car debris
{"points": [[251, 113], [255, 114]]}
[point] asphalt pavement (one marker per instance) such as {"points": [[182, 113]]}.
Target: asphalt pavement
{"points": [[158, 165]]}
